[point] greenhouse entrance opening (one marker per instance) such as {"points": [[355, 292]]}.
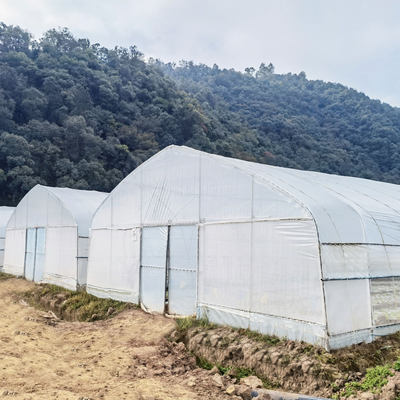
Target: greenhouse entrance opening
{"points": [[168, 271], [34, 254]]}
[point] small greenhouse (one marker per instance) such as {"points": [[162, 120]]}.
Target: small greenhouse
{"points": [[305, 255], [47, 236], [5, 214]]}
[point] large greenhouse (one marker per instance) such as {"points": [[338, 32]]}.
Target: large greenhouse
{"points": [[5, 214], [47, 236], [305, 255]]}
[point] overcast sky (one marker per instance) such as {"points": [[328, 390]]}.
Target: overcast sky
{"points": [[353, 42]]}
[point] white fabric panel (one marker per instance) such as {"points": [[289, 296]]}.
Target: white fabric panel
{"points": [[345, 261], [2, 243], [182, 292], [169, 192], [183, 243], [19, 218], [60, 259], [45, 206], [82, 271], [152, 288], [385, 299], [99, 267], [224, 265], [153, 268], [226, 192], [83, 253], [349, 338], [38, 207], [383, 260], [285, 271], [348, 305], [39, 253], [224, 316], [359, 261], [125, 206], [154, 246], [82, 204], [83, 246], [271, 202], [393, 252], [182, 289], [29, 270], [125, 245], [14, 255], [1, 260], [102, 218], [293, 330], [5, 214]]}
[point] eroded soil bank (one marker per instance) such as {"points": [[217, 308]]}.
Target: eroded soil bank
{"points": [[368, 371]]}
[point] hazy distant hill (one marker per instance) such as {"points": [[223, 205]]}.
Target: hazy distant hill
{"points": [[80, 115]]}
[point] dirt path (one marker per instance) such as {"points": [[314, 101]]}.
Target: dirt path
{"points": [[125, 357]]}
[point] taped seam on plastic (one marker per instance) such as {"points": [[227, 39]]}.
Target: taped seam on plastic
{"points": [[152, 266], [360, 244], [353, 278], [255, 221], [181, 269], [200, 304]]}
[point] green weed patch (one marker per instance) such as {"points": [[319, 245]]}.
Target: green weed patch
{"points": [[80, 305]]}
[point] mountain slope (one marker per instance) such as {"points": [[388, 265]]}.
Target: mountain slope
{"points": [[83, 116]]}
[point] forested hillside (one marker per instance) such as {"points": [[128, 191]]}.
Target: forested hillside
{"points": [[79, 115]]}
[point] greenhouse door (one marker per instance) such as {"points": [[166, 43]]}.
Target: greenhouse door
{"points": [[182, 277], [34, 255], [168, 272], [153, 268]]}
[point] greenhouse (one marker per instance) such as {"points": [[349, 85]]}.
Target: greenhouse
{"points": [[5, 214], [47, 236], [305, 255]]}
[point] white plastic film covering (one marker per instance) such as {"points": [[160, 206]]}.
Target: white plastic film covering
{"points": [[81, 204], [46, 206], [83, 253], [269, 202], [39, 253], [266, 267], [220, 182], [30, 254], [5, 214], [360, 261], [182, 289], [125, 254], [14, 254], [99, 268], [114, 264], [153, 268], [169, 193], [60, 260], [285, 271], [224, 265], [2, 244], [385, 298], [348, 305]]}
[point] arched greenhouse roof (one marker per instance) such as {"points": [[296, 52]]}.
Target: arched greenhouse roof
{"points": [[345, 209]]}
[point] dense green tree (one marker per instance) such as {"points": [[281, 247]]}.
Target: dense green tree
{"points": [[80, 115]]}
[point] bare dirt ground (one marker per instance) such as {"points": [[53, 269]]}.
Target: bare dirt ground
{"points": [[125, 357]]}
